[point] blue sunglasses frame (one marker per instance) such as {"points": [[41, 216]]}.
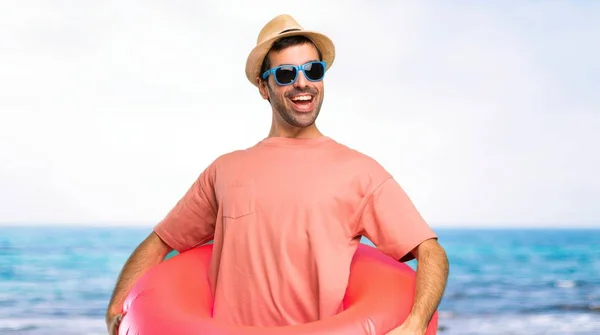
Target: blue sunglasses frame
{"points": [[298, 68]]}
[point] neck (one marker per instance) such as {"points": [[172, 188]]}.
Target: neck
{"points": [[285, 130]]}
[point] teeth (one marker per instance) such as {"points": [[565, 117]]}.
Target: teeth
{"points": [[302, 98]]}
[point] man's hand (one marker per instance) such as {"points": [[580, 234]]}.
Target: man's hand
{"points": [[112, 324], [405, 329], [411, 326]]}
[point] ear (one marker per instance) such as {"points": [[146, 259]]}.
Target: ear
{"points": [[262, 88]]}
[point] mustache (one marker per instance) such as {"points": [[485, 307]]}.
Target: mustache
{"points": [[308, 90]]}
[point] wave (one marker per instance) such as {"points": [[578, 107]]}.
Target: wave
{"points": [[563, 308], [47, 326], [547, 324]]}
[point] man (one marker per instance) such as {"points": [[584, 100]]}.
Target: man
{"points": [[287, 214]]}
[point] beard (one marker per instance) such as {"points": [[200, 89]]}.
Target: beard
{"points": [[283, 106]]}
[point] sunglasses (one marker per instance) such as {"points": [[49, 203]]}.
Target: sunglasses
{"points": [[287, 74]]}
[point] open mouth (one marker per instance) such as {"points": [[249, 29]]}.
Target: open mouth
{"points": [[303, 102]]}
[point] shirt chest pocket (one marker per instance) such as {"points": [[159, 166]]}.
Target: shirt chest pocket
{"points": [[239, 200]]}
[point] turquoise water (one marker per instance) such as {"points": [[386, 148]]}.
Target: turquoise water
{"points": [[57, 280]]}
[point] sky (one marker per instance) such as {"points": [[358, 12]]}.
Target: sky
{"points": [[487, 113]]}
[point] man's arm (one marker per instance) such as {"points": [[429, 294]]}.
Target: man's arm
{"points": [[190, 222], [392, 222], [432, 274], [148, 254]]}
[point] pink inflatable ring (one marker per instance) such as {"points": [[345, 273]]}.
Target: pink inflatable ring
{"points": [[175, 298]]}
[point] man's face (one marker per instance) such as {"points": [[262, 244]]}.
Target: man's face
{"points": [[297, 104]]}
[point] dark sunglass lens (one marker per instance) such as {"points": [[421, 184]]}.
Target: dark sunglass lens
{"points": [[314, 71], [285, 75]]}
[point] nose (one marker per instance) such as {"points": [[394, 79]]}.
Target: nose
{"points": [[301, 81]]}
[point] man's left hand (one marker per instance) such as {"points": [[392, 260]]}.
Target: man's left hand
{"points": [[405, 329]]}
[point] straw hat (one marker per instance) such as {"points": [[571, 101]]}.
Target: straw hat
{"points": [[282, 26]]}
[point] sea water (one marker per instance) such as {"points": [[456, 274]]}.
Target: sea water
{"points": [[58, 280]]}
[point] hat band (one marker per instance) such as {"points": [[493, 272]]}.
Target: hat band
{"points": [[288, 30]]}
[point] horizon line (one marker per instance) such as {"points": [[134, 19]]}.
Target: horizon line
{"points": [[439, 225]]}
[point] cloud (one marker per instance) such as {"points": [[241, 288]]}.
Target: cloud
{"points": [[486, 113]]}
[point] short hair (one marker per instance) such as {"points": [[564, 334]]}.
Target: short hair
{"points": [[283, 43]]}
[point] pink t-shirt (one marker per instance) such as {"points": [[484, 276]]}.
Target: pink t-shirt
{"points": [[286, 216]]}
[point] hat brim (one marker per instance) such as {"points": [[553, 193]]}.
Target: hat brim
{"points": [[257, 55]]}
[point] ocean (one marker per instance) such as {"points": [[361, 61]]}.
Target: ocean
{"points": [[57, 280]]}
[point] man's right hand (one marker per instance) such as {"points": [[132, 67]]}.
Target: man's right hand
{"points": [[113, 323]]}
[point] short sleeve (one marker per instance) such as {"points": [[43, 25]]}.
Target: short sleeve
{"points": [[191, 221], [390, 220]]}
